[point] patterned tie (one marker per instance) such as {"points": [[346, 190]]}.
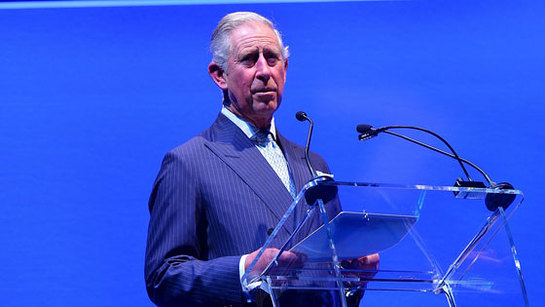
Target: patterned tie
{"points": [[272, 153], [261, 137]]}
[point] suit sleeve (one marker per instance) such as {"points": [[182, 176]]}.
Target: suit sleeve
{"points": [[177, 270]]}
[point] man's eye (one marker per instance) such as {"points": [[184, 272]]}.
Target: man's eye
{"points": [[271, 57], [272, 61], [248, 60]]}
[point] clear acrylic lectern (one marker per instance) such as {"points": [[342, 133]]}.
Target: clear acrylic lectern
{"points": [[438, 241]]}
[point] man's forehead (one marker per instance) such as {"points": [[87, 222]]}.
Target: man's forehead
{"points": [[256, 45], [253, 36]]}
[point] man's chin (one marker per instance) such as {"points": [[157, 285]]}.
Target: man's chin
{"points": [[265, 106], [264, 110]]}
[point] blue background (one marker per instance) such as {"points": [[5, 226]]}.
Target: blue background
{"points": [[91, 99]]}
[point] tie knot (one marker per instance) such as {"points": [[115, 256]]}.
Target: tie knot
{"points": [[261, 137]]}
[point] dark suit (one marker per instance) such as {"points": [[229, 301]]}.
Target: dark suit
{"points": [[214, 199]]}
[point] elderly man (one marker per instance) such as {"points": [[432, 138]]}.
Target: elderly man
{"points": [[218, 195]]}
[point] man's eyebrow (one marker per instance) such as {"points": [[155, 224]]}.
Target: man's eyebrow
{"points": [[248, 50], [274, 50]]}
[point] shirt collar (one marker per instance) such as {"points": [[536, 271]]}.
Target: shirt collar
{"points": [[248, 129]]}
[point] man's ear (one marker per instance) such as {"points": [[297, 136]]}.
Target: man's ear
{"points": [[285, 68], [218, 75]]}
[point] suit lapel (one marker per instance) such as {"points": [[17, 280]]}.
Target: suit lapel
{"points": [[295, 155], [296, 160], [234, 148]]}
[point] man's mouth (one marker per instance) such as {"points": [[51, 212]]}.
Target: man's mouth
{"points": [[263, 90]]}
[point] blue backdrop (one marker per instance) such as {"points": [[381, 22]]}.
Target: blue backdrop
{"points": [[91, 99]]}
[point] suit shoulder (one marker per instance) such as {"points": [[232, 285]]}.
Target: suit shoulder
{"points": [[193, 146]]}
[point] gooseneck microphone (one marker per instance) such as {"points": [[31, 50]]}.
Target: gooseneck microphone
{"points": [[493, 201], [323, 192], [302, 116], [367, 132]]}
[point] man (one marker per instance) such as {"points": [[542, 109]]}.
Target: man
{"points": [[218, 195]]}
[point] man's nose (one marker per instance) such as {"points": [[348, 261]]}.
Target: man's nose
{"points": [[263, 71]]}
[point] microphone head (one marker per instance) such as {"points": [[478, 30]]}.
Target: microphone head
{"points": [[301, 116], [367, 131], [364, 128]]}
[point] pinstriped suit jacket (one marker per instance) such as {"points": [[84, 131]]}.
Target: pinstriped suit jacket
{"points": [[213, 200]]}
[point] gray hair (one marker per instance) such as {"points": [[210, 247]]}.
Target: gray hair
{"points": [[220, 46]]}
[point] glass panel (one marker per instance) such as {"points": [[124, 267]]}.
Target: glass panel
{"points": [[387, 219]]}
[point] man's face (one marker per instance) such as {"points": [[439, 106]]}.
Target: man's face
{"points": [[255, 73]]}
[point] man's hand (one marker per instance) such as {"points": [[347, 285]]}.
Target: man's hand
{"points": [[286, 259], [356, 290], [369, 262]]}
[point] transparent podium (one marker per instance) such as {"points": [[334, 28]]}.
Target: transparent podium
{"points": [[438, 246]]}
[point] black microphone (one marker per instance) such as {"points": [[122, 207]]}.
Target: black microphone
{"points": [[366, 132], [302, 116], [493, 201]]}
